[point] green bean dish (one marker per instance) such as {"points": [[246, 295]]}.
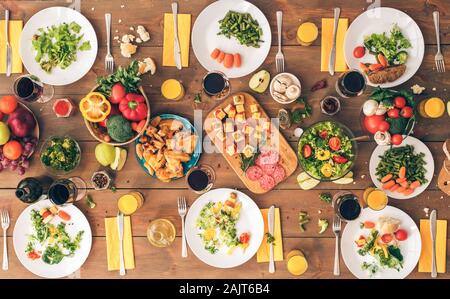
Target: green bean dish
{"points": [[243, 27]]}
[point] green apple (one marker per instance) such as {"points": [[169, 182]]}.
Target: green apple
{"points": [[260, 81], [105, 154], [4, 133], [119, 161]]}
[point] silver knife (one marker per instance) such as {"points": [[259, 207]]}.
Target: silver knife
{"points": [[332, 60], [176, 43], [120, 231], [271, 222], [433, 221], [8, 46]]}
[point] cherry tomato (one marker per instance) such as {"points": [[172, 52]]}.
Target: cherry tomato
{"points": [[334, 143], [393, 113], [340, 159], [399, 102], [406, 112], [371, 122], [244, 238], [383, 126], [401, 235], [386, 238], [323, 134], [307, 151], [359, 52], [396, 139], [369, 224]]}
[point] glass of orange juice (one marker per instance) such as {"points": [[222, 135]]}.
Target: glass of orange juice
{"points": [[375, 199], [296, 262], [432, 108]]}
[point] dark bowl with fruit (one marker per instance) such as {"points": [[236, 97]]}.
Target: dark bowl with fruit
{"points": [[327, 150], [389, 116]]}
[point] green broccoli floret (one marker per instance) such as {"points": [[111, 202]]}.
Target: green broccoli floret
{"points": [[119, 128]]}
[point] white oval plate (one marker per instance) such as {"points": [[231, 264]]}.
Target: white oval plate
{"points": [[410, 248], [56, 16], [68, 265], [419, 147], [379, 20], [205, 38], [250, 220]]}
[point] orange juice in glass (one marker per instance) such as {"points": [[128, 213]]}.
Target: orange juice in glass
{"points": [[375, 199], [296, 262]]}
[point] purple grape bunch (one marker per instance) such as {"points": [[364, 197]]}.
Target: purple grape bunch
{"points": [[23, 163]]}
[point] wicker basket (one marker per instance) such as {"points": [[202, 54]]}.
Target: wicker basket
{"points": [[95, 132]]}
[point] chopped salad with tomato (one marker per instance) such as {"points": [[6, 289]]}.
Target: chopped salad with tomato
{"points": [[217, 225], [326, 151]]}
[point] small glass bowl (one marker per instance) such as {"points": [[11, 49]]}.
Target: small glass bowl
{"points": [[58, 172]]}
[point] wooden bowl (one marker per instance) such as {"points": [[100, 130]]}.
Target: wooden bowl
{"points": [[98, 135]]}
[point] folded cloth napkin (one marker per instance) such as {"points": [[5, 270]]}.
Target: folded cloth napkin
{"points": [[327, 41], [262, 256], [15, 29], [184, 35], [112, 243], [441, 246]]}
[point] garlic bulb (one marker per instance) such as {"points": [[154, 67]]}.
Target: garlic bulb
{"points": [[293, 92], [370, 107]]}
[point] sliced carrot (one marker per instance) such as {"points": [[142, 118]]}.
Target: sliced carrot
{"points": [[64, 215], [382, 60], [363, 67], [404, 184], [395, 187], [375, 67], [215, 53], [408, 192], [400, 180], [369, 224], [388, 184], [386, 178], [400, 190], [402, 172], [414, 185], [220, 57], [228, 61], [237, 60]]}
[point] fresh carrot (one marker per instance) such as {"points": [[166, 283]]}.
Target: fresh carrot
{"points": [[369, 224], [401, 190], [237, 60], [64, 215], [363, 67], [395, 187], [404, 184], [228, 61], [388, 184], [386, 178], [414, 185], [402, 172], [408, 191], [215, 53], [220, 57], [382, 60], [375, 67], [400, 180]]}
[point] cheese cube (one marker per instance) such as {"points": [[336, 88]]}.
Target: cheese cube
{"points": [[239, 100], [248, 151], [257, 135], [259, 129], [266, 126], [230, 110], [238, 136], [221, 136], [248, 130], [219, 114], [256, 115], [240, 109], [231, 150], [253, 108], [240, 117], [228, 127], [217, 126]]}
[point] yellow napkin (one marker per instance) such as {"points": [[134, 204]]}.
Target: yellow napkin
{"points": [[327, 40], [112, 243], [262, 256], [184, 34], [15, 29], [441, 246]]}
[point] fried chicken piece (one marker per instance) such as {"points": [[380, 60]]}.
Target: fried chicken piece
{"points": [[388, 74]]}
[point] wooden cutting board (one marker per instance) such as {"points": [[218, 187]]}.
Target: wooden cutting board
{"points": [[288, 158]]}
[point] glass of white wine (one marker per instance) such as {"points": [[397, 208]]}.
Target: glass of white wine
{"points": [[161, 232]]}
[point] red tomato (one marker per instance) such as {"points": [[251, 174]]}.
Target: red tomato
{"points": [[369, 224], [406, 112], [386, 238], [307, 151], [244, 238], [334, 143], [340, 159], [396, 139], [383, 126], [323, 134], [372, 122], [230, 203], [401, 235], [393, 113], [359, 52], [399, 102], [118, 92]]}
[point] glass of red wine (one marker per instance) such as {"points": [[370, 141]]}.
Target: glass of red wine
{"points": [[200, 179], [65, 191], [216, 85], [347, 206], [350, 84], [30, 88]]}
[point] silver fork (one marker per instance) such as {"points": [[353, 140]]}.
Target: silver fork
{"points": [[279, 58], [439, 58], [336, 231], [182, 209], [5, 224], [109, 59]]}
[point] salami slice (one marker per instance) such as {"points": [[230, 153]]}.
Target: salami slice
{"points": [[269, 168], [254, 173], [269, 157], [267, 182], [279, 174]]}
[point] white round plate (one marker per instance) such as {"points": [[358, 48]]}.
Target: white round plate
{"points": [[68, 265], [379, 20], [419, 147], [205, 38], [250, 221], [410, 248], [56, 16]]}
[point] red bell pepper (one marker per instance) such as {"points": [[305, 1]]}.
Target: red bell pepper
{"points": [[133, 107]]}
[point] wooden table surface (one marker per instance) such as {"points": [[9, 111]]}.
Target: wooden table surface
{"points": [[160, 198]]}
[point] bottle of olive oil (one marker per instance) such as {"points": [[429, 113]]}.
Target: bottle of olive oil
{"points": [[30, 190]]}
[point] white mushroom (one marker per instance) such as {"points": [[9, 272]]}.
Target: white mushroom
{"points": [[382, 138], [280, 97], [282, 83], [370, 107], [293, 92], [381, 110]]}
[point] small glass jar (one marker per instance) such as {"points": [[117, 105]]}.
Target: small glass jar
{"points": [[330, 105]]}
